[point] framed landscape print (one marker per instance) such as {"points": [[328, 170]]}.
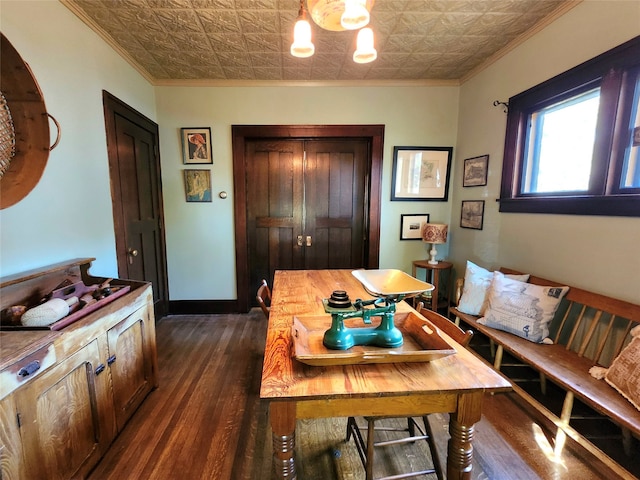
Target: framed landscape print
{"points": [[472, 214], [410, 226], [196, 145], [475, 171], [421, 173]]}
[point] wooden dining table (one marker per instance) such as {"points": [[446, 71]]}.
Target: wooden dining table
{"points": [[453, 384]]}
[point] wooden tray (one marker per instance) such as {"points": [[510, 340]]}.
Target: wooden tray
{"points": [[422, 342]]}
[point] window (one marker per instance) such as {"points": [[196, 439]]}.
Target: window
{"points": [[573, 142]]}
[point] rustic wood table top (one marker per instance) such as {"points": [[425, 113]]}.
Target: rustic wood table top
{"points": [[300, 292], [454, 384]]}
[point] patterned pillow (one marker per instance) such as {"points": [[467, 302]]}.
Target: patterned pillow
{"points": [[624, 372], [476, 284], [521, 308]]}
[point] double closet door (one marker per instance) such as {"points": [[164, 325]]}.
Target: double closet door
{"points": [[306, 205]]}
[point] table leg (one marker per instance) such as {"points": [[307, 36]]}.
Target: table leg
{"points": [[461, 429], [283, 426]]}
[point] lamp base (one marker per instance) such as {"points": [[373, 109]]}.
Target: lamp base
{"points": [[433, 253]]}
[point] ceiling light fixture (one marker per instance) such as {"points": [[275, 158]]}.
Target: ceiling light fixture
{"points": [[365, 52], [335, 15], [355, 15], [302, 47], [339, 15]]}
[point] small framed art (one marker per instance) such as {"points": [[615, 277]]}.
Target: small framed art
{"points": [[410, 226], [196, 145], [472, 214], [421, 173], [197, 185], [475, 171]]}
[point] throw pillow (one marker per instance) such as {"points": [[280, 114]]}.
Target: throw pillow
{"points": [[521, 308], [476, 284], [624, 372]]}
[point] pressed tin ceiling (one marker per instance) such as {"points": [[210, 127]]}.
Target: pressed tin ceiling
{"points": [[182, 41]]}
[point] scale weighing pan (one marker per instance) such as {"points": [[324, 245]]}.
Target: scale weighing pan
{"points": [[391, 283]]}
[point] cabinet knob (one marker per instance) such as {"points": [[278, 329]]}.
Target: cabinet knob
{"points": [[29, 369], [111, 359], [99, 369]]}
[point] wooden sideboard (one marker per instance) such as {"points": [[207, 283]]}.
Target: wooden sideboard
{"points": [[65, 395]]}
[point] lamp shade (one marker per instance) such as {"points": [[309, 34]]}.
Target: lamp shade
{"points": [[365, 52], [302, 47], [434, 232]]}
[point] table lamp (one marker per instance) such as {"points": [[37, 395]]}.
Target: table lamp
{"points": [[434, 233]]}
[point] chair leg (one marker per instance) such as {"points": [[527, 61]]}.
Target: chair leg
{"points": [[370, 449], [353, 430], [435, 458]]}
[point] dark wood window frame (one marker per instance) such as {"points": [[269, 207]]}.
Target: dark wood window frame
{"points": [[614, 72]]}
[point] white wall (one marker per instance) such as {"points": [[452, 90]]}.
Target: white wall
{"points": [[200, 236], [69, 213], [592, 252]]}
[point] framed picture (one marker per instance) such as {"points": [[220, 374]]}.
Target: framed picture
{"points": [[475, 171], [410, 226], [196, 145], [421, 173], [197, 185], [472, 214]]}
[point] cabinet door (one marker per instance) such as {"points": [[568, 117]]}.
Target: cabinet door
{"points": [[132, 362], [62, 434], [10, 445]]}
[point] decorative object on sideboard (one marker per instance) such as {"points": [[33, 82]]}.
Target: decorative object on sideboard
{"points": [[434, 233]]}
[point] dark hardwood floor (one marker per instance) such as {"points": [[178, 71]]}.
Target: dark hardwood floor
{"points": [[206, 421]]}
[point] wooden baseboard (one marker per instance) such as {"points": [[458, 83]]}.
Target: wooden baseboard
{"points": [[202, 307]]}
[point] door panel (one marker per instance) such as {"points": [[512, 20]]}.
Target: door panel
{"points": [[312, 189], [335, 179], [274, 206], [134, 164]]}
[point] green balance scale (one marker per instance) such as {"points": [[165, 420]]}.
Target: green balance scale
{"points": [[389, 286]]}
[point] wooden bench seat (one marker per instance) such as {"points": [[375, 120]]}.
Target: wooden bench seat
{"points": [[588, 329]]}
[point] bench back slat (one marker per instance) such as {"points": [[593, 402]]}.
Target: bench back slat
{"points": [[576, 327], [589, 334], [562, 323], [603, 339]]}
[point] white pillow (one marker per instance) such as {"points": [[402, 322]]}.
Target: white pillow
{"points": [[476, 284], [521, 308]]}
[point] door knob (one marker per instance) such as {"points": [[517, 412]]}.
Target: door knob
{"points": [[131, 252]]}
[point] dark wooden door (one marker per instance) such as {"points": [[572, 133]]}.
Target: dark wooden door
{"points": [[258, 253], [305, 205], [134, 165]]}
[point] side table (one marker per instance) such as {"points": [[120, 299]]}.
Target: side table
{"points": [[432, 273]]}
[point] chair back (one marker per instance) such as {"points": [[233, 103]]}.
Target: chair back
{"points": [[446, 325], [263, 296]]}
